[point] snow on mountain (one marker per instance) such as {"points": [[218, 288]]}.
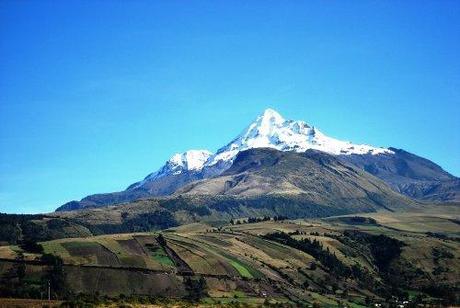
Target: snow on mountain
{"points": [[192, 160], [269, 130]]}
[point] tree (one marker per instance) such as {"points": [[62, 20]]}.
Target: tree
{"points": [[55, 275], [30, 245], [161, 240], [367, 301], [196, 288]]}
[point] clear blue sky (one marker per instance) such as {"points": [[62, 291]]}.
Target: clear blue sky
{"points": [[94, 95]]}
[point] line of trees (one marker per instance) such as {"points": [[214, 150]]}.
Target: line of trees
{"points": [[251, 220], [144, 222]]}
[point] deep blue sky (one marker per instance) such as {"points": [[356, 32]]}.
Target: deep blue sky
{"points": [[94, 95]]}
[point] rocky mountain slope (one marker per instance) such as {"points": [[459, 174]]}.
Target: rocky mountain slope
{"points": [[410, 174], [317, 177]]}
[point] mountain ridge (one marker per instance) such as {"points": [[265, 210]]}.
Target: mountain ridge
{"points": [[411, 175], [271, 130]]}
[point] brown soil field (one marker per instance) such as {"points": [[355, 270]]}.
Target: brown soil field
{"points": [[29, 303], [90, 250], [131, 246]]}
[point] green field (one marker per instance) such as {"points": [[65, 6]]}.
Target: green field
{"points": [[241, 269], [161, 257]]}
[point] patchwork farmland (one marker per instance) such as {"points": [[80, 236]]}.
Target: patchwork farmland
{"points": [[328, 261]]}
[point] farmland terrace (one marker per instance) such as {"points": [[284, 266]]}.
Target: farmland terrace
{"points": [[355, 259]]}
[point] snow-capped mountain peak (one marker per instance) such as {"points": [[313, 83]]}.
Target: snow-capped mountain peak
{"points": [[268, 119], [271, 130]]}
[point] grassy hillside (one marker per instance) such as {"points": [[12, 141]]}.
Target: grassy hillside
{"points": [[355, 259], [159, 213]]}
